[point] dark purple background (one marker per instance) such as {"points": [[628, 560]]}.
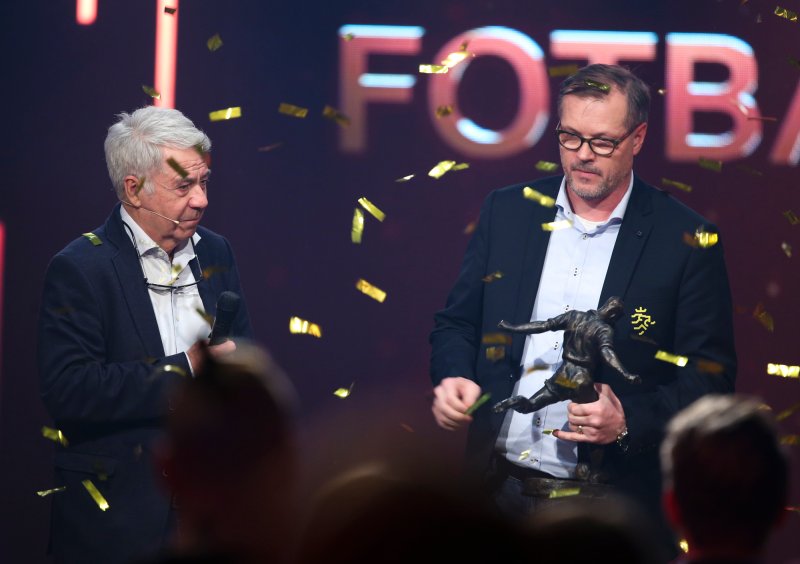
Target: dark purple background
{"points": [[288, 212]]}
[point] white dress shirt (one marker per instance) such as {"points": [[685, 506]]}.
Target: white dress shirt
{"points": [[572, 278], [179, 322]]}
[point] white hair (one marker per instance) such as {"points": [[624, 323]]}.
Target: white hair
{"points": [[133, 144]]}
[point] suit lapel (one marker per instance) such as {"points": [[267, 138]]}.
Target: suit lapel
{"points": [[204, 286], [131, 280], [633, 234], [536, 241]]}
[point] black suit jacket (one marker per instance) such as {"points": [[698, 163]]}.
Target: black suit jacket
{"points": [[685, 290], [99, 351]]}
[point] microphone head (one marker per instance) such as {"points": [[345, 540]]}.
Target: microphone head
{"points": [[228, 302]]}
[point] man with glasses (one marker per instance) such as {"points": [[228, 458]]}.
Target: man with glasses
{"points": [[569, 243], [124, 315]]}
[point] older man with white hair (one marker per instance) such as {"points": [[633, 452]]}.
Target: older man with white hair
{"points": [[123, 311]]}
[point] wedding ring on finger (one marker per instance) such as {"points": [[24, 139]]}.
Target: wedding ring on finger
{"points": [[580, 429]]}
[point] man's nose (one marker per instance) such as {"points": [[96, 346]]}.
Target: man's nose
{"points": [[199, 198], [585, 152]]}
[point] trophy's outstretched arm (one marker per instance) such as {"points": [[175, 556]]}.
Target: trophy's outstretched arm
{"points": [[528, 328], [611, 359]]}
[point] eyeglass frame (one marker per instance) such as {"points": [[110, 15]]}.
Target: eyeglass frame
{"points": [[589, 140], [162, 287]]}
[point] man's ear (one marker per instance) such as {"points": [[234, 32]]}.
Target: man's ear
{"points": [[638, 138], [133, 186]]}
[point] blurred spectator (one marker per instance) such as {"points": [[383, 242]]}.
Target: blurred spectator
{"points": [[726, 478]]}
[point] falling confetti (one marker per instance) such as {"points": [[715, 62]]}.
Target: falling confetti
{"points": [[764, 317], [227, 113], [470, 228], [675, 359], [538, 197], [556, 225], [709, 366], [152, 92], [791, 217], [662, 91], [173, 164], [497, 275], [444, 111], [45, 493], [562, 70], [564, 492], [684, 544], [710, 164], [705, 239], [481, 400], [348, 36], [786, 413], [96, 495], [170, 11], [139, 185], [547, 431], [291, 110], [433, 69], [299, 326], [405, 178], [454, 58], [343, 392], [357, 230], [787, 249], [790, 440], [93, 238], [267, 148], [372, 291], [524, 454], [786, 14], [210, 271], [441, 168], [783, 370], [546, 166], [55, 435], [598, 85], [676, 184], [335, 115], [496, 339], [205, 315], [565, 382], [372, 209], [214, 42], [174, 368]]}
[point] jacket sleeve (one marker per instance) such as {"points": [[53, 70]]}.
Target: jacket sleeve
{"points": [[455, 339], [241, 324], [78, 382], [704, 334]]}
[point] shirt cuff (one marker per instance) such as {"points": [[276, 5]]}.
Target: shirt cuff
{"points": [[189, 362]]}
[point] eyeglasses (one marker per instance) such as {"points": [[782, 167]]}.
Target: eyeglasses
{"points": [[162, 287], [600, 146]]}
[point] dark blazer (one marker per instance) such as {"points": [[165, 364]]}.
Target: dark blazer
{"points": [[99, 351], [684, 289]]}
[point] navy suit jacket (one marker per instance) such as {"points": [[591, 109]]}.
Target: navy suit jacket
{"points": [[685, 290], [99, 351]]}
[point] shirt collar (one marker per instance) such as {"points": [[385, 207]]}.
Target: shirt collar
{"points": [[143, 241], [562, 203]]}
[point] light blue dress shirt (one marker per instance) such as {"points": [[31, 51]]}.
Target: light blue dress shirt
{"points": [[572, 278]]}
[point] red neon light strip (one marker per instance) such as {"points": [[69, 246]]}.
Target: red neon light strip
{"points": [[86, 11], [2, 264], [166, 52]]}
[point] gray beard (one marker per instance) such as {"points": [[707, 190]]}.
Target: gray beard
{"points": [[602, 191]]}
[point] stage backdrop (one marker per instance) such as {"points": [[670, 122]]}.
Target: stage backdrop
{"points": [[724, 78]]}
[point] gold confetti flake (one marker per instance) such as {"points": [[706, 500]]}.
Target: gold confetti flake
{"points": [[344, 392], [470, 228], [548, 431], [357, 231], [684, 544], [556, 225], [45, 493], [764, 317], [405, 178], [455, 57], [335, 115], [524, 455], [709, 366], [750, 170], [786, 14], [496, 339], [291, 110], [561, 70], [372, 291], [710, 164], [174, 368], [299, 326], [676, 184], [55, 435], [214, 42], [786, 413], [407, 427], [690, 240], [96, 495], [598, 85], [675, 359], [433, 69], [762, 118], [268, 148], [546, 166], [170, 11], [496, 275], [783, 370], [372, 209], [460, 166], [226, 114], [791, 217], [787, 249], [441, 168], [740, 105], [705, 239], [538, 197], [662, 91], [139, 185], [210, 271], [481, 400], [173, 164], [564, 492], [152, 92], [565, 382], [93, 238], [444, 111], [205, 315], [790, 440], [348, 36]]}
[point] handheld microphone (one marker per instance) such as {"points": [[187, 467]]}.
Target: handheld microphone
{"points": [[175, 221], [227, 307]]}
